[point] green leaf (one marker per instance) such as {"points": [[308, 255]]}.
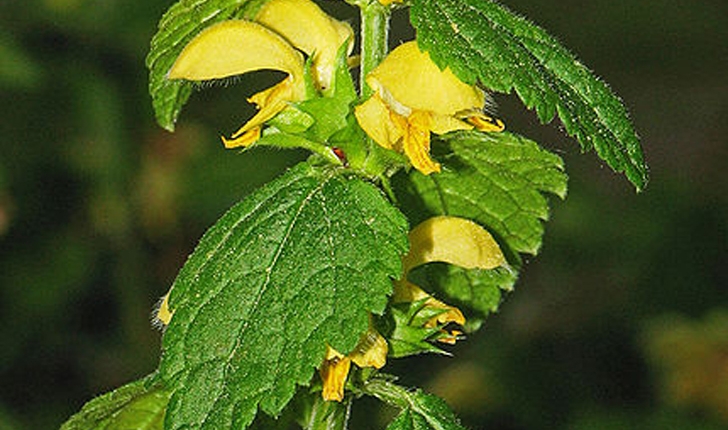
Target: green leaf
{"points": [[481, 291], [310, 124], [406, 420], [420, 411], [321, 115], [404, 327], [139, 405], [482, 40], [496, 179], [298, 264], [183, 21]]}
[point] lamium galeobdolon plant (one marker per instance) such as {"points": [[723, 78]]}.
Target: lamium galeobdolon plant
{"points": [[399, 235]]}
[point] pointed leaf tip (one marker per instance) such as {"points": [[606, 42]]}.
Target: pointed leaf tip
{"points": [[482, 40]]}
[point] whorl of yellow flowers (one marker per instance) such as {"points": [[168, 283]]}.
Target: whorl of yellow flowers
{"points": [[412, 96], [270, 42], [443, 239], [411, 99]]}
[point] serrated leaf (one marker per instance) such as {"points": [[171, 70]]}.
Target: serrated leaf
{"points": [[298, 264], [139, 405], [479, 290], [482, 40], [406, 420], [183, 21], [406, 332], [496, 179], [420, 411]]}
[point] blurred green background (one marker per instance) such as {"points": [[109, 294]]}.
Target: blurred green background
{"points": [[620, 323]]}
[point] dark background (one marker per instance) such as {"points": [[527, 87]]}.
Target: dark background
{"points": [[621, 322]]}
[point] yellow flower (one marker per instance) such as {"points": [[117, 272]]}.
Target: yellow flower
{"points": [[334, 371], [412, 98], [270, 43], [452, 240], [444, 239], [371, 351], [304, 25], [449, 240], [163, 314], [406, 291]]}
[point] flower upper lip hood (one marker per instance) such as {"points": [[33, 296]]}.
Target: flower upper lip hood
{"points": [[411, 79], [371, 351], [413, 97], [271, 42], [309, 29], [453, 240], [217, 52], [236, 47]]}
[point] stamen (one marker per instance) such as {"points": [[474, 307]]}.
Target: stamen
{"points": [[486, 123], [246, 139]]}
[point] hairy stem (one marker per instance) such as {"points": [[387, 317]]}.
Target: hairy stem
{"points": [[374, 39], [374, 47], [325, 415]]}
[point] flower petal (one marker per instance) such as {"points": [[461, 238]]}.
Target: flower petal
{"points": [[371, 351], [164, 315], [245, 139], [334, 371], [450, 337], [391, 130], [233, 48], [416, 141], [309, 29], [269, 102], [405, 291], [413, 80], [455, 241], [374, 118], [482, 121], [442, 124]]}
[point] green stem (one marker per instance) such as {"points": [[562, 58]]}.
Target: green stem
{"points": [[325, 415], [374, 47], [374, 40]]}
